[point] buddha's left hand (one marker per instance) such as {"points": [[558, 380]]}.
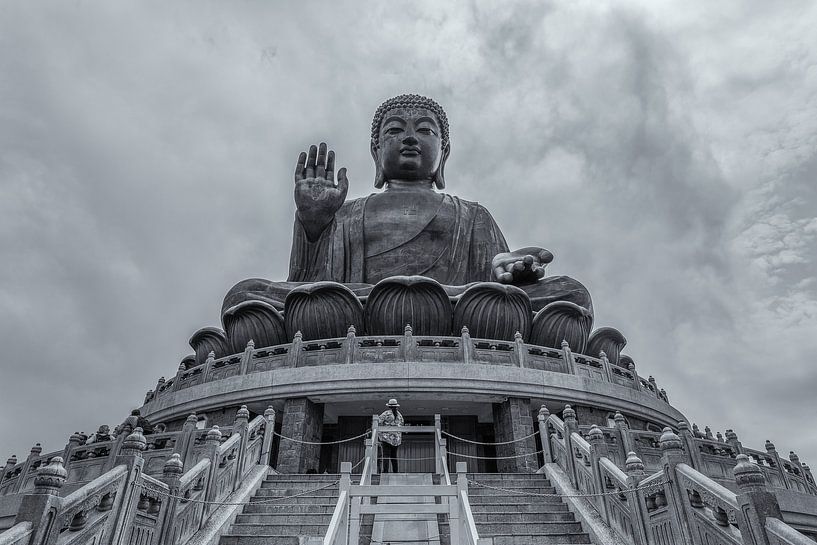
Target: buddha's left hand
{"points": [[523, 266]]}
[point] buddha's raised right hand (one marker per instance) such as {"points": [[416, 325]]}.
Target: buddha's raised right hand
{"points": [[317, 197]]}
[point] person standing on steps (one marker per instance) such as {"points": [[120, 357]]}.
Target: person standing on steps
{"points": [[390, 439]]}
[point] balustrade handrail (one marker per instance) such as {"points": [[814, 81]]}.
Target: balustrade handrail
{"points": [[81, 494], [194, 472], [17, 534], [470, 524], [613, 471], [785, 533], [336, 523], [718, 491]]}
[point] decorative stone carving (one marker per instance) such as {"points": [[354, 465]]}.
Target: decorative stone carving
{"points": [[174, 467], [493, 311], [134, 443], [608, 340], [253, 320], [748, 476], [322, 310], [562, 321], [188, 361], [209, 339], [50, 478], [669, 440], [415, 300]]}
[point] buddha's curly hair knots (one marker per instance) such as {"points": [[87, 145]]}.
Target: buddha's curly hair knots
{"points": [[410, 101]]}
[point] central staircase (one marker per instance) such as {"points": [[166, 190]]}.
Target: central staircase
{"points": [[507, 517]]}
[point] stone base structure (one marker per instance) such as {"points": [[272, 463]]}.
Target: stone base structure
{"points": [[513, 425], [303, 420]]}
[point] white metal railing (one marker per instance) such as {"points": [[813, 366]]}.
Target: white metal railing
{"points": [[354, 500]]}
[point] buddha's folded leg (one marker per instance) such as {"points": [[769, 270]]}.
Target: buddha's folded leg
{"points": [[558, 288], [274, 293]]}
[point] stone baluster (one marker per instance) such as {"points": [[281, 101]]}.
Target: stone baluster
{"points": [[74, 441], [519, 350], [269, 433], [708, 433], [130, 455], [295, 350], [696, 431], [625, 440], [208, 366], [39, 506], [631, 368], [571, 425], [240, 425], [345, 485], [605, 364], [634, 468], [246, 358], [350, 345], [654, 385], [409, 344], [672, 454], [10, 463], [544, 436], [756, 502], [171, 476], [778, 463], [148, 396], [186, 440], [598, 450], [732, 439], [159, 384], [177, 380], [212, 442], [375, 444], [691, 446], [466, 345], [664, 395], [35, 452], [567, 355]]}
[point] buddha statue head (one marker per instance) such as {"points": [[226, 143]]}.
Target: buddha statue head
{"points": [[410, 141]]}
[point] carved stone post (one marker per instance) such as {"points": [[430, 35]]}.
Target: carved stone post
{"points": [[41, 507], [409, 344], [691, 446], [571, 425], [756, 503], [605, 363], [732, 439], [295, 350], [186, 440], [624, 438], [598, 450], [349, 345], [672, 454], [638, 510], [246, 357], [242, 420], [130, 455], [519, 349], [542, 419], [375, 444], [773, 454], [567, 355], [73, 442], [466, 345], [10, 463], [35, 452], [171, 476], [212, 442], [269, 433]]}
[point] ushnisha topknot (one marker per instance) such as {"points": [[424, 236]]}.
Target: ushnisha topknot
{"points": [[410, 101]]}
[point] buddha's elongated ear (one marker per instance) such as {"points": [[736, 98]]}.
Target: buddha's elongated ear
{"points": [[379, 178], [439, 177]]}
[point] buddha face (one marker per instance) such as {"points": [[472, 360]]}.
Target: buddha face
{"points": [[410, 146]]}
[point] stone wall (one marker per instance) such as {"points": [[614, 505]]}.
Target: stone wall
{"points": [[513, 421], [303, 420]]}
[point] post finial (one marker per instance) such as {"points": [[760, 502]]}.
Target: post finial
{"points": [[174, 467], [748, 476], [50, 478], [633, 464], [669, 441]]}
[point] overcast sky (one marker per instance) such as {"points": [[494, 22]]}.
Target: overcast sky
{"points": [[665, 152]]}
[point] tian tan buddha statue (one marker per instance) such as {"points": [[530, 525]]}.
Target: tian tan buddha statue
{"points": [[409, 229]]}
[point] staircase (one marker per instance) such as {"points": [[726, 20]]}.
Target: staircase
{"points": [[286, 521], [515, 519]]}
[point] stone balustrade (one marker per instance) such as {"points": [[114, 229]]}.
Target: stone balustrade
{"points": [[673, 502], [401, 348], [126, 505]]}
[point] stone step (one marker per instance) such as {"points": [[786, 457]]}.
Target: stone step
{"points": [[540, 507], [284, 529], [517, 517], [295, 509], [516, 528], [482, 491], [511, 499], [511, 483], [538, 539], [313, 477], [508, 477], [277, 519], [278, 492], [306, 499], [260, 539]]}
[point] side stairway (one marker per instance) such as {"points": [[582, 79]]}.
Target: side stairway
{"points": [[281, 522], [517, 519]]}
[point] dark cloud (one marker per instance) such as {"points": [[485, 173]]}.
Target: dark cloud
{"points": [[666, 156]]}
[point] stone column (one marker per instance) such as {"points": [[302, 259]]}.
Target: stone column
{"points": [[303, 420], [512, 421]]}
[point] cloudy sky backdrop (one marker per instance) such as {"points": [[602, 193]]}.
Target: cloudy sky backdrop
{"points": [[665, 152]]}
